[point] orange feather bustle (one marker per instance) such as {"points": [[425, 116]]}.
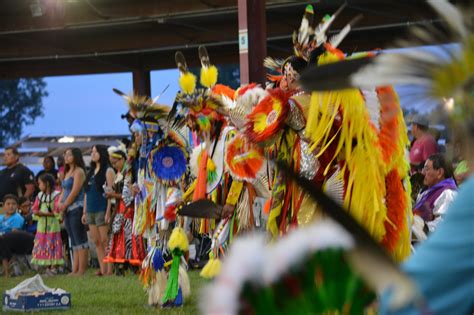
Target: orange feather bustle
{"points": [[221, 89], [396, 207], [268, 117], [242, 90], [243, 159], [388, 122]]}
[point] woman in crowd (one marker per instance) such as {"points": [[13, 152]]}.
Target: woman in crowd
{"points": [[49, 167], [96, 211], [48, 247], [71, 205]]}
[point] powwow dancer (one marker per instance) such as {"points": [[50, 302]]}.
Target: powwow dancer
{"points": [[162, 159], [345, 130], [125, 247]]}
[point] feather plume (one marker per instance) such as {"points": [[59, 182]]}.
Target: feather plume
{"points": [[323, 26], [181, 62], [125, 96], [451, 15], [373, 107], [302, 37], [178, 240], [337, 39], [144, 107], [209, 76], [305, 28], [204, 57], [273, 64], [187, 82]]}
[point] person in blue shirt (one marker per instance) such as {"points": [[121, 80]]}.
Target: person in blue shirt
{"points": [[11, 220], [443, 266]]}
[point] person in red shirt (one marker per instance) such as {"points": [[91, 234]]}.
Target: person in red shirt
{"points": [[423, 146]]}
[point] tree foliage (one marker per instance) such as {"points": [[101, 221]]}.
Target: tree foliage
{"points": [[21, 102]]}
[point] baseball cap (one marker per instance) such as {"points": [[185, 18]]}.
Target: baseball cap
{"points": [[420, 120]]}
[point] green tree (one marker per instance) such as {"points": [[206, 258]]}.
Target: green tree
{"points": [[21, 102]]}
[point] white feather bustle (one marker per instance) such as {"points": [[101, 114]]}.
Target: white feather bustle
{"points": [[251, 259]]}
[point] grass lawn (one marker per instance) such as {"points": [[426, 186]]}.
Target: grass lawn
{"points": [[109, 295]]}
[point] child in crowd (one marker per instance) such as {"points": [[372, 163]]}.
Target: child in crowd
{"points": [[24, 207], [47, 250], [11, 220]]}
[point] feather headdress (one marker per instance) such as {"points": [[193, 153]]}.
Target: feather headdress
{"points": [[141, 107], [201, 105]]}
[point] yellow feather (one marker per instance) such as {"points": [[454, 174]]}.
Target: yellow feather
{"points": [[187, 82], [178, 239], [211, 269], [209, 76]]}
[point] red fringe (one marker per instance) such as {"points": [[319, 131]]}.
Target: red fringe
{"points": [[396, 207]]}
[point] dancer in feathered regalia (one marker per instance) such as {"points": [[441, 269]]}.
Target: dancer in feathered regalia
{"points": [[198, 109], [157, 190], [355, 137], [334, 271], [125, 247], [440, 74]]}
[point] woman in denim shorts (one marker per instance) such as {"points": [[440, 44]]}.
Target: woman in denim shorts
{"points": [[71, 205], [96, 206]]}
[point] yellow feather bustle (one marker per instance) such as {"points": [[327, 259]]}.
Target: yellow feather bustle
{"points": [[187, 82], [364, 159], [211, 269], [209, 76], [178, 240]]}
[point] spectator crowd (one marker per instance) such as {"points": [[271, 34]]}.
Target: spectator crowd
{"points": [[53, 217]]}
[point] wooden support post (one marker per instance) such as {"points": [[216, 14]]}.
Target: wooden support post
{"points": [[252, 40], [142, 82]]}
